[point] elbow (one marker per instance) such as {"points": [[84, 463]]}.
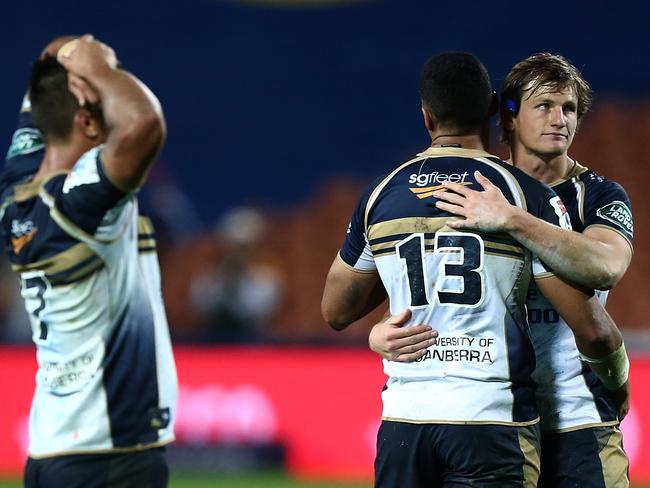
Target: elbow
{"points": [[609, 277], [335, 318]]}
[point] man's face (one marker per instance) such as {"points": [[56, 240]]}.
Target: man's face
{"points": [[546, 122]]}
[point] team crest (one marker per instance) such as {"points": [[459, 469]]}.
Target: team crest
{"points": [[618, 213], [561, 212]]}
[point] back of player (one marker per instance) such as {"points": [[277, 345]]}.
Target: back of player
{"points": [[473, 285], [464, 414]]}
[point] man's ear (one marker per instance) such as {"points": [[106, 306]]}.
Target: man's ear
{"points": [[429, 120], [88, 124], [507, 119]]}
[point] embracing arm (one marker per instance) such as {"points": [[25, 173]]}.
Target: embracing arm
{"points": [[597, 258], [349, 295], [598, 339]]}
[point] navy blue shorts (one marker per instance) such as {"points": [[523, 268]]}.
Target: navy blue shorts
{"points": [[585, 458], [137, 469], [445, 455]]}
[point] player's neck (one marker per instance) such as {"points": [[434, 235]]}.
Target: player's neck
{"points": [[59, 157], [470, 141], [544, 169]]}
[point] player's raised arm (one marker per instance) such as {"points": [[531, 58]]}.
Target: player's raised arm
{"points": [[132, 114], [597, 258], [597, 337]]}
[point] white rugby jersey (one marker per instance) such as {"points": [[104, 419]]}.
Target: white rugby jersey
{"points": [[570, 396], [472, 286], [90, 279]]}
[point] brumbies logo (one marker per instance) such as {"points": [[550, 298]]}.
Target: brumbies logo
{"points": [[618, 213], [421, 180], [21, 234]]}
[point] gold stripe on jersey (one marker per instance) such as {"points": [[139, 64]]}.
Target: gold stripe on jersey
{"points": [[530, 449], [351, 268], [576, 170], [581, 201], [114, 450], [407, 225], [32, 188], [144, 225], [611, 423], [613, 460], [59, 262], [432, 152], [427, 191], [513, 184], [462, 422], [146, 240]]}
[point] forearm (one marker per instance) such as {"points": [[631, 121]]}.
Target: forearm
{"points": [[573, 256], [134, 121]]}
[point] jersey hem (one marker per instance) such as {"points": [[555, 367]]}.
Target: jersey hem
{"points": [[462, 422], [591, 425], [113, 450], [352, 268]]}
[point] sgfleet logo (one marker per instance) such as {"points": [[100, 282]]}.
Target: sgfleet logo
{"points": [[427, 183]]}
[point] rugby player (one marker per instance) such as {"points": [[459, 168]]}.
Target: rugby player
{"points": [[440, 413], [544, 98], [106, 390]]}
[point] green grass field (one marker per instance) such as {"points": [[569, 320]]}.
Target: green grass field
{"points": [[273, 479], [257, 480]]}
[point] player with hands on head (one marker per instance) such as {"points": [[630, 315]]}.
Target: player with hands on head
{"points": [[105, 397]]}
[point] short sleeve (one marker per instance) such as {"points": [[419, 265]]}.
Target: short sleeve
{"points": [[607, 205], [355, 251], [88, 198]]}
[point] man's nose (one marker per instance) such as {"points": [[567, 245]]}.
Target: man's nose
{"points": [[557, 117]]}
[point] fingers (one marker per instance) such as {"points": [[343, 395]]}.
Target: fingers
{"points": [[449, 197], [457, 187], [483, 181], [83, 92], [400, 318], [453, 209], [412, 352], [65, 52]]}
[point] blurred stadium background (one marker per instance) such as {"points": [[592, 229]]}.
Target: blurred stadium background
{"points": [[279, 112]]}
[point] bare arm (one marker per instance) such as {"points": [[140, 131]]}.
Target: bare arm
{"points": [[349, 295], [597, 258], [597, 337], [132, 114]]}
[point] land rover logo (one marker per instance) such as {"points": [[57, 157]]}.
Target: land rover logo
{"points": [[618, 213], [25, 141]]}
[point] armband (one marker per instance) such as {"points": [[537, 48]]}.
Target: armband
{"points": [[612, 370]]}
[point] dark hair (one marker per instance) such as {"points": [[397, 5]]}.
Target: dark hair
{"points": [[53, 106], [547, 72], [456, 88]]}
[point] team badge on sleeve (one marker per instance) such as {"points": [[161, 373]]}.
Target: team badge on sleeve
{"points": [[25, 141], [618, 213], [561, 212]]}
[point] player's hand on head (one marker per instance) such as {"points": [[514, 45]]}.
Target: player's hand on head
{"points": [[394, 342], [487, 210], [54, 45], [82, 90], [86, 57]]}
